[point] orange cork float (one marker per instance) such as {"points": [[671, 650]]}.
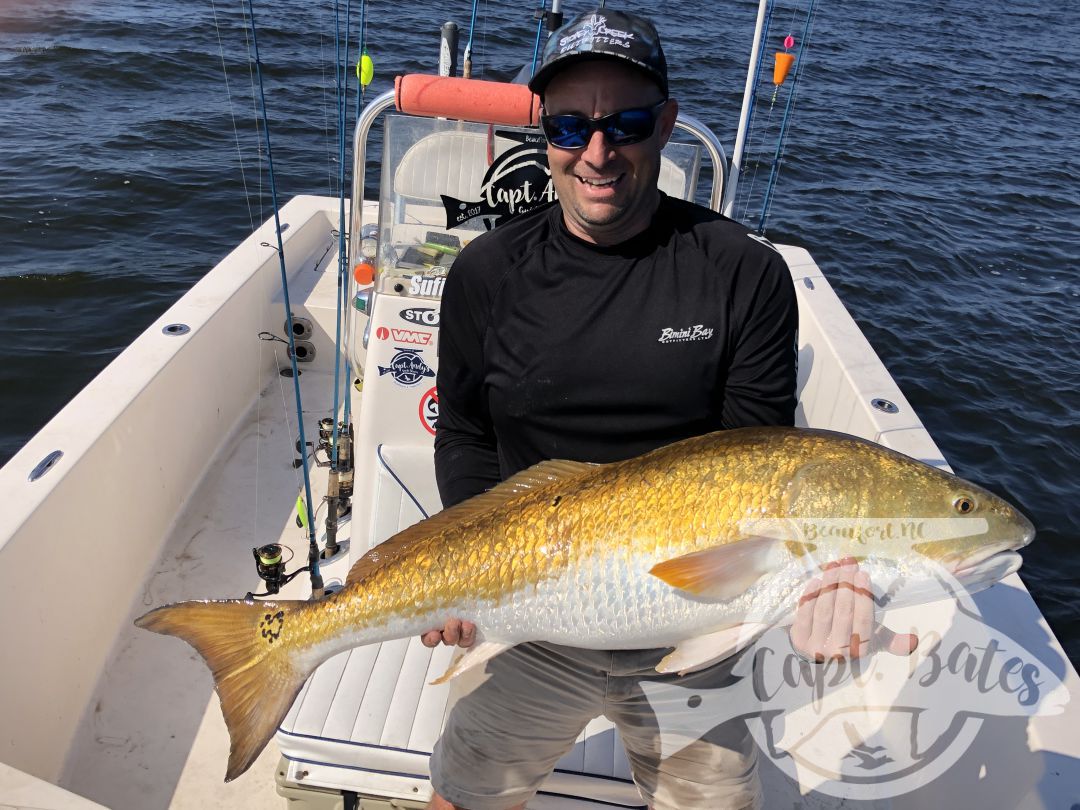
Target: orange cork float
{"points": [[783, 64]]}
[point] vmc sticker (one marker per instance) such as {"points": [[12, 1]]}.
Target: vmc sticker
{"points": [[429, 410]]}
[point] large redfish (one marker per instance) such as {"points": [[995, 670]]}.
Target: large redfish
{"points": [[699, 545]]}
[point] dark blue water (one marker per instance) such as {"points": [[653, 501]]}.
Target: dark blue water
{"points": [[930, 168]]}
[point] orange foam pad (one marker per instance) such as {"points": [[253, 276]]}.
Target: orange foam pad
{"points": [[467, 99]]}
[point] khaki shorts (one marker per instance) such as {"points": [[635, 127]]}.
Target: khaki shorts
{"points": [[503, 739]]}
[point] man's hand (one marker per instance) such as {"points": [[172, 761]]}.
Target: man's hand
{"points": [[455, 631], [835, 617]]}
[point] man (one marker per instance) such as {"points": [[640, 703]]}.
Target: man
{"points": [[596, 329]]}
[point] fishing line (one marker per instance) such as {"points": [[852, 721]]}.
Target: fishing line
{"points": [[285, 410], [313, 548], [484, 39], [757, 162], [365, 71], [326, 116], [251, 219], [364, 67], [745, 190], [789, 107], [254, 106], [338, 69], [232, 116], [751, 122], [394, 475]]}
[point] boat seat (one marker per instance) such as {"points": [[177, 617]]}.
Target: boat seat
{"points": [[454, 162], [367, 720]]}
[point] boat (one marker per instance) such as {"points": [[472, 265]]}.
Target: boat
{"points": [[178, 463]]}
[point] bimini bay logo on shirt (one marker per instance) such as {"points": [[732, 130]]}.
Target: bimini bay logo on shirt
{"points": [[698, 331]]}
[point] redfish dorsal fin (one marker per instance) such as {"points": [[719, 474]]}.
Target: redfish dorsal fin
{"points": [[534, 477]]}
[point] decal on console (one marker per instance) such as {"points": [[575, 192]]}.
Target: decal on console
{"points": [[425, 315], [404, 336], [407, 368], [426, 285], [429, 410]]}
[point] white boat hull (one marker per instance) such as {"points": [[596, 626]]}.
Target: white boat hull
{"points": [[176, 462]]}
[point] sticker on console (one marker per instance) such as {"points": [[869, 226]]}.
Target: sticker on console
{"points": [[426, 285], [429, 410], [423, 315], [413, 336], [407, 368]]}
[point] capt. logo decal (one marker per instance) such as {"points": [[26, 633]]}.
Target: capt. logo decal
{"points": [[518, 181], [407, 367]]}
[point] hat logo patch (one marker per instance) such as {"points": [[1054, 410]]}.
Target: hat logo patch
{"points": [[594, 31]]}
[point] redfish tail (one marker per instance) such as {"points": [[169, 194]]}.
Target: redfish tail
{"points": [[255, 677]]}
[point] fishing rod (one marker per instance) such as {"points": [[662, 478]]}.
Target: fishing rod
{"points": [[303, 502], [338, 453], [752, 114], [466, 62], [728, 206], [780, 141], [541, 14]]}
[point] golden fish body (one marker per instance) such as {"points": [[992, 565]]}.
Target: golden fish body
{"points": [[714, 534]]}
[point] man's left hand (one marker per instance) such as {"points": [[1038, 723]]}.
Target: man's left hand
{"points": [[835, 617]]}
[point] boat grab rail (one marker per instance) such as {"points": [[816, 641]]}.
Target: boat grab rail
{"points": [[486, 103]]}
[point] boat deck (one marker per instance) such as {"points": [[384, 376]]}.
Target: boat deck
{"points": [[155, 737], [146, 729]]}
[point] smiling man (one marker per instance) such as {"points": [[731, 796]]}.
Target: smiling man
{"points": [[607, 191], [595, 329]]}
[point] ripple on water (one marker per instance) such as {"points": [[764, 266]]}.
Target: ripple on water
{"points": [[932, 179]]}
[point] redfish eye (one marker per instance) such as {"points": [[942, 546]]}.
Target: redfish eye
{"points": [[964, 504]]}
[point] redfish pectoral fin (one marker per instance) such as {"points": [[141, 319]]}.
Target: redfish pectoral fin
{"points": [[473, 657], [712, 648], [720, 572]]}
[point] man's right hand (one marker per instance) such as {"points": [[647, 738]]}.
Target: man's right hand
{"points": [[455, 631]]}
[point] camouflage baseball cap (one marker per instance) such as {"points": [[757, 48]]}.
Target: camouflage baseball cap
{"points": [[603, 33]]}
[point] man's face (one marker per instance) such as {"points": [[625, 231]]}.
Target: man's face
{"points": [[608, 193]]}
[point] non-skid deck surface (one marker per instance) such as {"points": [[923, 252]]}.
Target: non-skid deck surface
{"points": [[155, 714]]}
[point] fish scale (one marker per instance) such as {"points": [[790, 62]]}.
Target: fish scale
{"points": [[654, 551]]}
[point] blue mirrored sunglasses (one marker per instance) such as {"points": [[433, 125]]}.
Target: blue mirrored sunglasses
{"points": [[620, 128]]}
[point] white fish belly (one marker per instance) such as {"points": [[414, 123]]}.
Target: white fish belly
{"points": [[612, 603]]}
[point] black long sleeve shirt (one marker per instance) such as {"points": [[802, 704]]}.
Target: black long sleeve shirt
{"points": [[552, 347]]}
